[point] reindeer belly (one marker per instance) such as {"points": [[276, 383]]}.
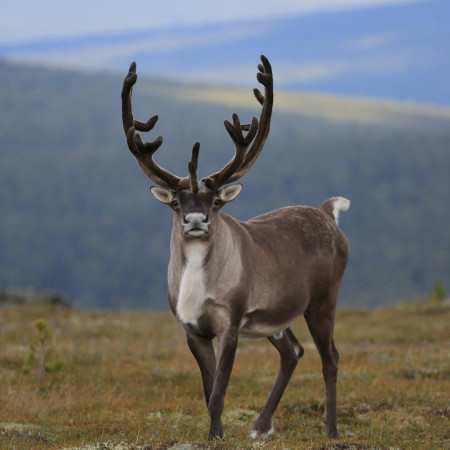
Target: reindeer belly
{"points": [[262, 323], [271, 314], [259, 330]]}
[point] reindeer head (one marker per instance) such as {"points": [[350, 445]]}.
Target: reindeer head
{"points": [[197, 202]]}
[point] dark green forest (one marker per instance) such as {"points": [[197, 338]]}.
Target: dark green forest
{"points": [[77, 217]]}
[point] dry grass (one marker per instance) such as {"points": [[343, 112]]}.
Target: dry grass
{"points": [[129, 379]]}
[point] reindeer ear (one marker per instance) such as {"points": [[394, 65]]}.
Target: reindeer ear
{"points": [[163, 195], [229, 193]]}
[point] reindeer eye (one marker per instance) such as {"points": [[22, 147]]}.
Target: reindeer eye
{"points": [[175, 203], [217, 202]]}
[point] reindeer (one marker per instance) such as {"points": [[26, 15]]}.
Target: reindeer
{"points": [[228, 278]]}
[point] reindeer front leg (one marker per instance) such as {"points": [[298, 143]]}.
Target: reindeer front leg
{"points": [[203, 351], [225, 359]]}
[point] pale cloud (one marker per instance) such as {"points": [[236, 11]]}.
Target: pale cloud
{"points": [[24, 20], [286, 73], [380, 64], [315, 71], [96, 56], [370, 42]]}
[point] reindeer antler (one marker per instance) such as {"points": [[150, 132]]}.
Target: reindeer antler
{"points": [[143, 152], [239, 165], [257, 132]]}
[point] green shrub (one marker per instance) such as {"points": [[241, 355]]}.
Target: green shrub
{"points": [[44, 359]]}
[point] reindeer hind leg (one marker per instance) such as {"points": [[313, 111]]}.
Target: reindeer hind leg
{"points": [[290, 352], [320, 323]]}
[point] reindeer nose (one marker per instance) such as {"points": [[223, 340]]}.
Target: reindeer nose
{"points": [[196, 224], [196, 217]]}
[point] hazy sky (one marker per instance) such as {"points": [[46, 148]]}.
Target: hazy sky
{"points": [[24, 20], [376, 48]]}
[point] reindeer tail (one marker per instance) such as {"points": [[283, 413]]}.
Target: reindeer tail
{"points": [[335, 205]]}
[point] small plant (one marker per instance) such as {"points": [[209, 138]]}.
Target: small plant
{"points": [[43, 344], [438, 294]]}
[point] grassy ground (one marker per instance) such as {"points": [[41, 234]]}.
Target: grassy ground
{"points": [[129, 380]]}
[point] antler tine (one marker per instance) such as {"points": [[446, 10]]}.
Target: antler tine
{"points": [[143, 152], [241, 143], [192, 167], [146, 126], [257, 132]]}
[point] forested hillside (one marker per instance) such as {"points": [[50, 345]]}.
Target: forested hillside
{"points": [[76, 214]]}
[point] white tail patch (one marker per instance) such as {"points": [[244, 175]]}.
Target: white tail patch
{"points": [[192, 295], [340, 204]]}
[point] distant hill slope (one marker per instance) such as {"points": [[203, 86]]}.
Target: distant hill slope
{"points": [[76, 214]]}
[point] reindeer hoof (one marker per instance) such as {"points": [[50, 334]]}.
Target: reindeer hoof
{"points": [[333, 434], [215, 435], [259, 434]]}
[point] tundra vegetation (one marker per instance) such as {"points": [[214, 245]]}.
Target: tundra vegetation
{"points": [[128, 381]]}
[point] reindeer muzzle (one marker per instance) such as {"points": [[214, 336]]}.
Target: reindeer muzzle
{"points": [[196, 225]]}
